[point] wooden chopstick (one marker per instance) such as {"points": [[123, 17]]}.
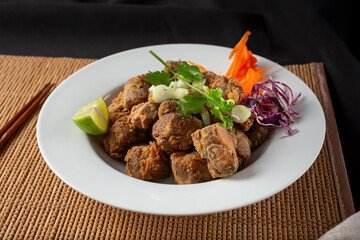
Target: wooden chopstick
{"points": [[19, 118]]}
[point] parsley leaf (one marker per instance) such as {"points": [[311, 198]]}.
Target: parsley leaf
{"points": [[192, 104], [190, 73], [157, 78]]}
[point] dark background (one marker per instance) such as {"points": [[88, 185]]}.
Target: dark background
{"points": [[287, 32]]}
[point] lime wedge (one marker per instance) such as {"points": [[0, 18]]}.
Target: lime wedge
{"points": [[93, 118]]}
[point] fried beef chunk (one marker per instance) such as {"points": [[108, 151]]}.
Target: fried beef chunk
{"points": [[172, 65], [136, 91], [117, 111], [120, 116], [258, 134], [120, 137], [150, 97], [167, 107], [173, 132], [245, 126], [230, 86], [214, 143], [242, 145], [209, 76], [144, 115], [147, 162], [189, 168]]}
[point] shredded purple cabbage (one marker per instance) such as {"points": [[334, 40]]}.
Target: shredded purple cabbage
{"points": [[271, 102]]}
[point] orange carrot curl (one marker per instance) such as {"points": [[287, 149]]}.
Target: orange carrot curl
{"points": [[244, 67]]}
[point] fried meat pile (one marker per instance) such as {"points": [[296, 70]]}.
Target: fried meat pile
{"points": [[155, 140]]}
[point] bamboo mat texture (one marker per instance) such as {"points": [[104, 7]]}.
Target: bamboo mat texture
{"points": [[36, 204]]}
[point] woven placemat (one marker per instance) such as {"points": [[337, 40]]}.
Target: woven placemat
{"points": [[36, 204]]}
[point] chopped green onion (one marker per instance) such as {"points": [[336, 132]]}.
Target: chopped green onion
{"points": [[205, 117], [230, 101], [199, 84], [240, 113], [172, 86], [206, 89], [151, 89], [179, 93], [161, 93], [181, 84]]}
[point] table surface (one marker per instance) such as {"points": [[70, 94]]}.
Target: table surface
{"points": [[35, 203]]}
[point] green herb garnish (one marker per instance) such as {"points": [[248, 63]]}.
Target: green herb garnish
{"points": [[190, 73], [194, 103], [157, 78]]}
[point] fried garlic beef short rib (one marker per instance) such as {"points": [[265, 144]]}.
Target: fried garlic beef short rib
{"points": [[242, 145], [136, 91], [172, 65], [173, 131], [215, 144], [167, 107], [209, 76], [144, 115], [257, 135], [147, 162], [189, 168], [231, 87], [156, 140], [120, 137], [117, 111]]}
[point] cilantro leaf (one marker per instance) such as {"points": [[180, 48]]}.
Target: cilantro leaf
{"points": [[192, 104], [226, 120], [191, 73], [217, 99], [229, 122], [157, 78], [215, 95]]}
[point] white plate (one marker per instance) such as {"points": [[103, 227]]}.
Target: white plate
{"points": [[80, 161]]}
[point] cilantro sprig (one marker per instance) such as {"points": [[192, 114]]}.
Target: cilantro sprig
{"points": [[157, 78], [194, 103]]}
